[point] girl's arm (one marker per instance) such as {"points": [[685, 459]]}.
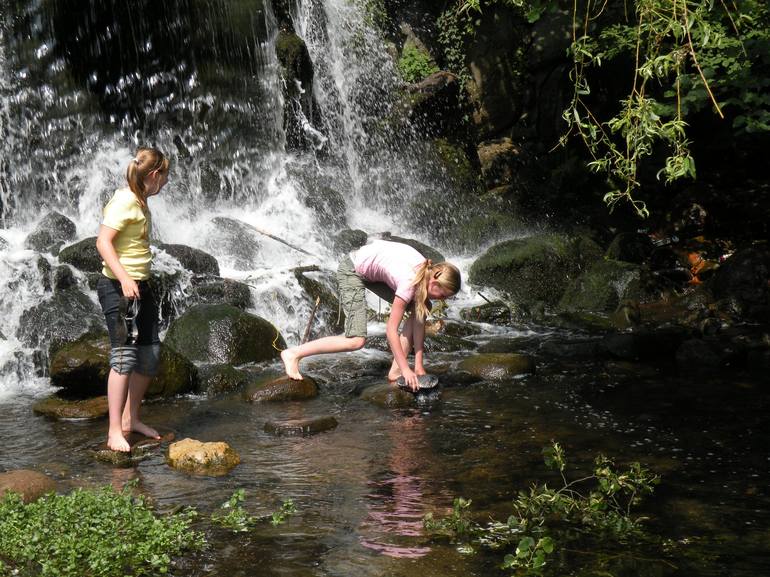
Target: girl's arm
{"points": [[110, 256], [418, 336], [391, 330]]}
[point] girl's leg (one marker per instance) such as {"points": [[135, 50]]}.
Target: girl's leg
{"points": [[336, 344], [137, 386], [407, 338], [117, 390]]}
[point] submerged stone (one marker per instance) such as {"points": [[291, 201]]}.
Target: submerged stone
{"points": [[193, 456], [58, 408], [31, 485], [498, 366], [389, 396], [281, 389], [301, 427]]}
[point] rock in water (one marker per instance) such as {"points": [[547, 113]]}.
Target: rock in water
{"points": [[213, 459], [141, 448], [301, 427], [281, 389], [498, 366], [30, 484], [59, 408]]}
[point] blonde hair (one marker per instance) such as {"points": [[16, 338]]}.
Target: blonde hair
{"points": [[146, 161], [446, 274]]}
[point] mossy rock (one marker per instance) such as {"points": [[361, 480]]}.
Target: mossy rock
{"points": [[495, 313], [498, 366], [81, 368], [222, 291], [535, 269], [176, 374], [281, 389], [57, 408], [224, 334], [193, 259], [212, 459], [221, 379], [82, 255], [603, 287], [301, 427], [389, 396]]}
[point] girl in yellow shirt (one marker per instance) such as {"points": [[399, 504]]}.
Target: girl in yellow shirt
{"points": [[125, 295]]}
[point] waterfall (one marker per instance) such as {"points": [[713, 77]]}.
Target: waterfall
{"points": [[83, 83]]}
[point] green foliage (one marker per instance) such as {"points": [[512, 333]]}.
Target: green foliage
{"points": [[92, 532], [599, 505], [689, 55], [375, 14], [234, 517], [415, 64]]}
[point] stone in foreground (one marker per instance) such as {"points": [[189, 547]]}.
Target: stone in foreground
{"points": [[31, 485], [300, 427], [213, 459], [58, 408], [281, 389], [141, 448], [498, 366]]}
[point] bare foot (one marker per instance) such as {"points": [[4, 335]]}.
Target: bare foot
{"points": [[141, 428], [291, 363], [117, 442]]}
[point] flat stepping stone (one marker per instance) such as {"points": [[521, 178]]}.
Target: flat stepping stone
{"points": [[58, 408], [141, 448], [425, 382], [281, 389], [390, 396], [300, 427]]}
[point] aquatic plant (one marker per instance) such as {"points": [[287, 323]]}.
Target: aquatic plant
{"points": [[233, 516], [94, 532], [599, 505]]}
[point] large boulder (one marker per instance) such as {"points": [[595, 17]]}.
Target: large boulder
{"points": [[348, 240], [82, 255], [498, 366], [53, 230], [176, 374], [192, 456], [535, 269], [743, 280], [224, 334], [193, 259], [31, 485], [602, 287], [81, 367], [239, 242], [281, 389], [221, 291], [64, 318]]}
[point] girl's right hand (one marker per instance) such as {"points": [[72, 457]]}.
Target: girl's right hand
{"points": [[130, 288], [411, 379]]}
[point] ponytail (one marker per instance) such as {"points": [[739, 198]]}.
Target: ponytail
{"points": [[146, 161], [446, 274]]}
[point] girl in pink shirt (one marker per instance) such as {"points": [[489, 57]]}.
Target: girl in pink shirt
{"points": [[399, 274]]}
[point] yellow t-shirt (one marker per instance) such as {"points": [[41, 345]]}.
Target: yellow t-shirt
{"points": [[132, 243]]}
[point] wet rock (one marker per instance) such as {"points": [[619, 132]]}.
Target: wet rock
{"points": [[213, 459], [301, 427], [281, 389], [176, 374], [295, 61], [240, 243], [743, 280], [447, 344], [44, 268], [631, 247], [31, 485], [423, 249], [645, 344], [82, 255], [63, 318], [502, 345], [64, 278], [536, 268], [573, 349], [699, 356], [193, 259], [224, 334], [498, 366], [349, 240], [602, 287], [81, 367], [50, 232], [328, 206], [433, 103], [451, 328], [388, 396], [329, 311], [141, 448], [59, 408], [501, 161], [221, 291], [494, 313], [458, 379], [217, 380]]}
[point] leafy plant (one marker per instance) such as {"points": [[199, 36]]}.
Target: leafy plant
{"points": [[599, 504], [234, 517], [415, 64], [99, 533]]}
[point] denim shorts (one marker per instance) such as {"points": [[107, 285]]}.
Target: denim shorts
{"points": [[127, 355]]}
